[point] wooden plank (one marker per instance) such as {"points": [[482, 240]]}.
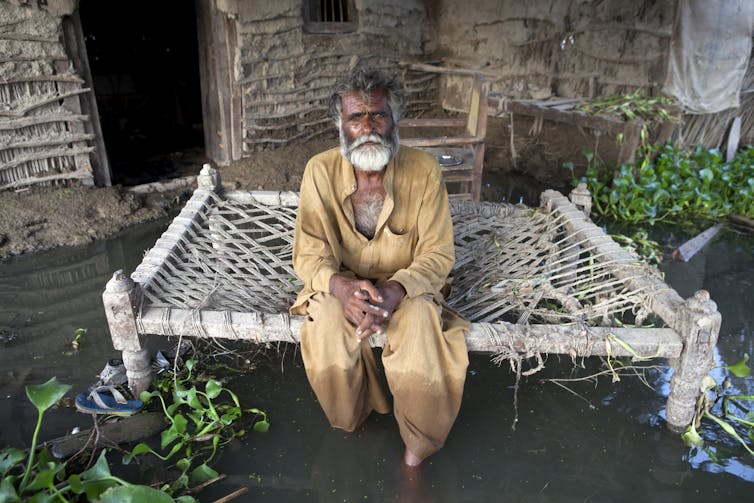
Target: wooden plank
{"points": [[73, 40], [7, 123], [172, 184], [44, 78], [631, 141], [216, 71], [265, 197], [38, 156], [690, 248], [127, 429], [484, 337], [741, 220], [432, 123], [73, 104], [423, 67], [576, 118], [25, 37], [81, 174], [453, 177], [559, 102], [17, 58], [46, 101], [60, 140], [235, 98], [734, 136], [473, 115], [441, 141], [169, 239]]}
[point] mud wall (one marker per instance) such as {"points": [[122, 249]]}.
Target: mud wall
{"points": [[285, 74], [44, 135], [569, 48], [542, 48]]}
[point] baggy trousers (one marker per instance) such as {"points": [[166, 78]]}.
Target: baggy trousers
{"points": [[425, 361]]}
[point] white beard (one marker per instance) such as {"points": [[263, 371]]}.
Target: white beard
{"points": [[369, 157]]}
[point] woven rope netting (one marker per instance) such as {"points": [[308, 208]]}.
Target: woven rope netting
{"points": [[513, 264]]}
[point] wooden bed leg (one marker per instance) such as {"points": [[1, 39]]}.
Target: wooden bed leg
{"points": [[121, 299], [698, 322], [582, 199]]}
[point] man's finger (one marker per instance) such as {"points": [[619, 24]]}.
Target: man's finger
{"points": [[365, 327], [372, 292], [378, 311]]}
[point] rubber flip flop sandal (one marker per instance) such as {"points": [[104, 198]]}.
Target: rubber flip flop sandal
{"points": [[107, 400]]}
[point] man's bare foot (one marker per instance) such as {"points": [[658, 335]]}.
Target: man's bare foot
{"points": [[411, 459]]}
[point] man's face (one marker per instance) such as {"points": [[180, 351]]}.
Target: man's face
{"points": [[368, 136]]}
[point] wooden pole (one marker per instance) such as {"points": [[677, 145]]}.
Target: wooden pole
{"points": [[121, 300], [698, 322]]}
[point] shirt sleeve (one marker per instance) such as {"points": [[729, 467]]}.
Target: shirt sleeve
{"points": [[435, 252], [316, 253]]}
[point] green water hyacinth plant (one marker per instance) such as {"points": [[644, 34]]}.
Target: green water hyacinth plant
{"points": [[197, 418], [675, 185], [47, 479], [731, 411]]}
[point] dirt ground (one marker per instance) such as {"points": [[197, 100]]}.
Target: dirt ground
{"points": [[47, 217], [42, 218]]}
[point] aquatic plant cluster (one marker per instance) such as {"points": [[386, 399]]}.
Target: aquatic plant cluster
{"points": [[200, 422], [665, 182], [675, 185], [723, 405]]}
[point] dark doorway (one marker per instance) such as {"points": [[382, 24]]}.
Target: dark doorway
{"points": [[145, 68]]}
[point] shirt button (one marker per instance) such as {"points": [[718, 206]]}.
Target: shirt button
{"points": [[353, 187]]}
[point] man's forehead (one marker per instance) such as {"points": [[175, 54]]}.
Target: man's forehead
{"points": [[358, 98]]}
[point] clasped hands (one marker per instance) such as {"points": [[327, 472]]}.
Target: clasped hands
{"points": [[365, 304]]}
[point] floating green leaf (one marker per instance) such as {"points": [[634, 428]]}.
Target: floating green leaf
{"points": [[201, 474], [262, 426], [9, 458], [730, 431], [740, 369], [691, 437], [8, 492], [44, 396], [134, 494]]}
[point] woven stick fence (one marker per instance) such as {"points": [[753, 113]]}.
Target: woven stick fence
{"points": [[531, 281]]}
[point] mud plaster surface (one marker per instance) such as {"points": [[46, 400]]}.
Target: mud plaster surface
{"points": [[43, 218]]}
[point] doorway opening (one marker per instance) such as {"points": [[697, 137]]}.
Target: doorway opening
{"points": [[145, 70]]}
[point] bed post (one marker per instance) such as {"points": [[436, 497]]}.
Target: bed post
{"points": [[582, 199], [121, 299], [698, 323]]}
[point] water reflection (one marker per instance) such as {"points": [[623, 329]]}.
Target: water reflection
{"points": [[606, 444], [44, 298]]}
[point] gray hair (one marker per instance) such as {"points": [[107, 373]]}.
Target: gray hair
{"points": [[368, 81]]}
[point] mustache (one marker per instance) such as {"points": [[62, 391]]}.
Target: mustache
{"points": [[369, 138]]}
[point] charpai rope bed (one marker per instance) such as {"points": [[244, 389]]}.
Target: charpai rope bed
{"points": [[531, 281]]}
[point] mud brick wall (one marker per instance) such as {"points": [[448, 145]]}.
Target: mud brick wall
{"points": [[43, 136], [285, 73], [541, 48]]}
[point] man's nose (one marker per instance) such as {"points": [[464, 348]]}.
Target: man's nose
{"points": [[367, 124]]}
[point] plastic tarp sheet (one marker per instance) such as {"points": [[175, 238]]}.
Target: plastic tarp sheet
{"points": [[709, 53]]}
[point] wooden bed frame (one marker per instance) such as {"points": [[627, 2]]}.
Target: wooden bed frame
{"points": [[134, 310]]}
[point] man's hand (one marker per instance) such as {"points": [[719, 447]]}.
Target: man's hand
{"points": [[365, 305]]}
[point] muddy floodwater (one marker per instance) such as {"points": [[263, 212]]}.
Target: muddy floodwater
{"points": [[603, 442]]}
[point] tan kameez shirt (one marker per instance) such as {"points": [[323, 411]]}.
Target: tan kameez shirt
{"points": [[413, 242]]}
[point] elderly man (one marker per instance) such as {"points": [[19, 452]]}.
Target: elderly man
{"points": [[374, 247]]}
